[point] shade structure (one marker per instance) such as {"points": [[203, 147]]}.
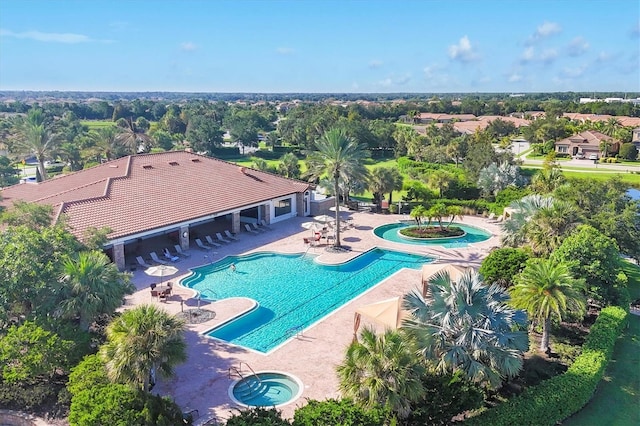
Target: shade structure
{"points": [[161, 271], [324, 218], [387, 313], [432, 269]]}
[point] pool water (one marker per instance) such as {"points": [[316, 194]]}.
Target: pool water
{"points": [[293, 291], [267, 389], [473, 235]]}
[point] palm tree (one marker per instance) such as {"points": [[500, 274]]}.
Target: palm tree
{"points": [[36, 137], [289, 165], [545, 289], [419, 212], [440, 179], [382, 370], [142, 341], [467, 326], [547, 180], [132, 137], [92, 285], [549, 226], [438, 211], [337, 155], [514, 229], [379, 183], [454, 212]]}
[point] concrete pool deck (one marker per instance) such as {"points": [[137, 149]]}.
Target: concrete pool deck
{"points": [[203, 381]]}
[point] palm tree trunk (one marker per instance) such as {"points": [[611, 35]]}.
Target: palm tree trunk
{"points": [[336, 176], [41, 168], [544, 343]]}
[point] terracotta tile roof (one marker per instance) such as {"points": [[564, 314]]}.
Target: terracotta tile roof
{"points": [[143, 192], [589, 137], [518, 122]]}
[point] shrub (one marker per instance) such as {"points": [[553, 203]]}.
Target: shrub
{"points": [[258, 416], [560, 397], [342, 412], [502, 265], [225, 152]]}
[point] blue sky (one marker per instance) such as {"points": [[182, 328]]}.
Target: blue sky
{"points": [[321, 46]]}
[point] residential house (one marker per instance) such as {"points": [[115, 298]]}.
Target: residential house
{"points": [[586, 144]]}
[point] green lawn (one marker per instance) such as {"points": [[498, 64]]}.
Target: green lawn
{"points": [[97, 124], [617, 399]]}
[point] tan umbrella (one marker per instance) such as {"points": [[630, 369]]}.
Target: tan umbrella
{"points": [[432, 269], [324, 218], [388, 313], [161, 271]]}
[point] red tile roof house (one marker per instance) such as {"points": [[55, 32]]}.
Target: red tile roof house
{"points": [[585, 144], [147, 195]]}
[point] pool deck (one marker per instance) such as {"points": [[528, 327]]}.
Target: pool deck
{"points": [[202, 382]]}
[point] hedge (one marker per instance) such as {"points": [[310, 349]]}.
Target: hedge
{"points": [[556, 399]]}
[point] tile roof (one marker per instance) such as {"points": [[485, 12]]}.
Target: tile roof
{"points": [[590, 137], [143, 192]]}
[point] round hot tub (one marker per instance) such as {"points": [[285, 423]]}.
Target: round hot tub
{"points": [[266, 389]]}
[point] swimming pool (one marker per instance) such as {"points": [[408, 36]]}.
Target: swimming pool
{"points": [[292, 291], [473, 235]]}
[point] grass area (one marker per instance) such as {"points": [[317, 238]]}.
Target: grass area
{"points": [[616, 399], [97, 124], [597, 174]]}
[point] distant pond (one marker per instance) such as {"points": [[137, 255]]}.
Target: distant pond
{"points": [[634, 194]]}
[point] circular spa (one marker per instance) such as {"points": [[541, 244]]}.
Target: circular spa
{"points": [[390, 232], [266, 389]]}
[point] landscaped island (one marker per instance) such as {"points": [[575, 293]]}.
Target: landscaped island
{"points": [[431, 232]]}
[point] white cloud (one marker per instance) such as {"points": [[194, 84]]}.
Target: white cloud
{"points": [[528, 54], [385, 83], [463, 51], [549, 56], [543, 31], [604, 57], [188, 46], [375, 64], [577, 47], [68, 38], [573, 73], [403, 79], [285, 51], [514, 77]]}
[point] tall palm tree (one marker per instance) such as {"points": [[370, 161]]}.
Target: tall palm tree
{"points": [[36, 137], [547, 180], [131, 136], [337, 155], [549, 226], [142, 341], [91, 285], [514, 229], [467, 326], [382, 370], [108, 142], [545, 289]]}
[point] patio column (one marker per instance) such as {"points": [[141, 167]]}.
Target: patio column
{"points": [[184, 237], [235, 222], [118, 256], [300, 204], [266, 209]]}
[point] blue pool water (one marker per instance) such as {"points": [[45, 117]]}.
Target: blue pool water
{"points": [[266, 389], [293, 291], [474, 235]]}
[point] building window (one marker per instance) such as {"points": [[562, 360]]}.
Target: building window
{"points": [[563, 149], [282, 207]]}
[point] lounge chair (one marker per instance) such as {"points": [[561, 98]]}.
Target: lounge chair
{"points": [[142, 262], [230, 235], [221, 238], [181, 252], [492, 216], [202, 245], [170, 256], [156, 259], [257, 228], [211, 242], [264, 224], [248, 228], [499, 218]]}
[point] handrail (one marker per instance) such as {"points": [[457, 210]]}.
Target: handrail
{"points": [[253, 372], [238, 372]]}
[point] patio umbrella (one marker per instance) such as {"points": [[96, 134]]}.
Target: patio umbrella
{"points": [[161, 271], [324, 218], [313, 226]]}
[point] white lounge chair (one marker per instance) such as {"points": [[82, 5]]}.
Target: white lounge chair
{"points": [[156, 259], [492, 216], [230, 235], [221, 238], [142, 262], [499, 218], [265, 224], [202, 245], [257, 228], [248, 228], [211, 242], [181, 252]]}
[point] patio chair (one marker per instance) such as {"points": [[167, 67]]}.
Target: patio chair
{"points": [[257, 228], [221, 238], [156, 259], [155, 294], [181, 252], [264, 224], [170, 256], [230, 235], [142, 262], [202, 245], [248, 228], [492, 216], [499, 218], [211, 242]]}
